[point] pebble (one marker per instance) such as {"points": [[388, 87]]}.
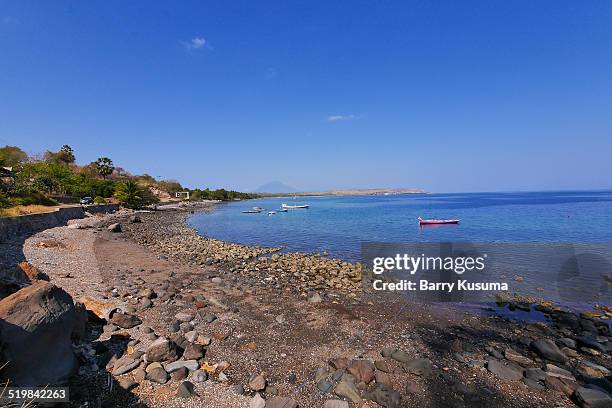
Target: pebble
{"points": [[257, 402], [199, 376], [191, 365], [281, 402], [504, 371], [335, 404], [257, 382], [186, 390], [158, 375], [549, 350], [347, 389]]}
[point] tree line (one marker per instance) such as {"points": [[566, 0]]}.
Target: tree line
{"points": [[44, 180]]}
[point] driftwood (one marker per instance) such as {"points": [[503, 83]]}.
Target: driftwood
{"points": [[103, 310]]}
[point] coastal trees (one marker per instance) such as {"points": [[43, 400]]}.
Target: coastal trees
{"points": [[11, 156], [64, 156], [132, 195], [104, 166]]}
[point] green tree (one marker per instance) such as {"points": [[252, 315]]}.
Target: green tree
{"points": [[64, 156], [104, 166], [11, 156], [132, 195]]}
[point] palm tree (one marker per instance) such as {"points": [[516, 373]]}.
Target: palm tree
{"points": [[130, 194]]}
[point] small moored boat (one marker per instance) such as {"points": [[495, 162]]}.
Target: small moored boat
{"points": [[436, 222], [283, 205], [271, 212], [250, 212], [258, 209]]}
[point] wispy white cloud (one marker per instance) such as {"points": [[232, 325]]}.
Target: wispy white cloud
{"points": [[337, 118], [195, 43]]}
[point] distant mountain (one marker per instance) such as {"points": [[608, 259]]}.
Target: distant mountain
{"points": [[274, 187]]}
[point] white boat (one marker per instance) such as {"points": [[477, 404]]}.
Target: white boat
{"points": [[258, 209], [283, 205], [271, 212]]}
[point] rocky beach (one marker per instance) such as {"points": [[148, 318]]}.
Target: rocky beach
{"points": [[177, 319]]}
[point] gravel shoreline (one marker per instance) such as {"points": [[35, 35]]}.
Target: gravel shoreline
{"points": [[304, 338]]}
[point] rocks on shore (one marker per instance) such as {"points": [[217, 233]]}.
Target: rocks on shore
{"points": [[36, 324]]}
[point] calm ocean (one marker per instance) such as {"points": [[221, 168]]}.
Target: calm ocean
{"points": [[339, 225]]}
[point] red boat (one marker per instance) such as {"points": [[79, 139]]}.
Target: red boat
{"points": [[436, 222]]}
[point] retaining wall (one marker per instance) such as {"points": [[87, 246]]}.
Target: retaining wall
{"points": [[14, 227]]}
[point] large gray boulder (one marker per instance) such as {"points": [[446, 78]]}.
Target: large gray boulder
{"points": [[36, 324]]}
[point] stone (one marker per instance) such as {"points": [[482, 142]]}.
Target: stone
{"points": [[153, 366], [174, 327], [124, 365], [257, 402], [384, 396], [401, 356], [116, 227], [162, 349], [347, 389], [281, 402], [191, 336], [199, 376], [554, 371], [533, 384], [517, 357], [504, 371], [207, 317], [549, 350], [146, 303], [140, 374], [179, 374], [494, 352], [560, 384], [591, 343], [184, 317], [238, 389], [158, 375], [418, 366], [257, 382], [383, 365], [191, 365], [325, 385], [382, 378], [32, 319], [362, 370], [193, 351], [125, 321], [339, 362], [593, 370], [535, 374], [335, 404], [315, 298], [186, 390], [567, 342], [134, 219], [592, 398]]}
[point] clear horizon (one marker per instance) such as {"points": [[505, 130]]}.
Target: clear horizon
{"points": [[472, 97]]}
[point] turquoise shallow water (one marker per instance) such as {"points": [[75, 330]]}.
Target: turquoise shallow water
{"points": [[338, 225]]}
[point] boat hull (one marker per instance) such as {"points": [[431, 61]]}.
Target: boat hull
{"points": [[438, 222]]}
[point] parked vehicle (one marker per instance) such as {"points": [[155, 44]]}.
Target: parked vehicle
{"points": [[86, 201]]}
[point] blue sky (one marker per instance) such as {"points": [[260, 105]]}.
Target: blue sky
{"points": [[442, 95]]}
